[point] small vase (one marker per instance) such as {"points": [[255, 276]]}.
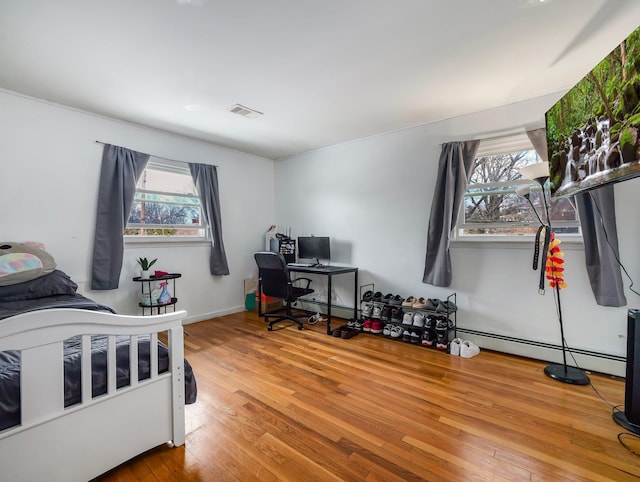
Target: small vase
{"points": [[145, 274]]}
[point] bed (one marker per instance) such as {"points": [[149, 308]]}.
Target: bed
{"points": [[81, 390]]}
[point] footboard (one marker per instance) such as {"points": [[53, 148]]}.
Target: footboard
{"points": [[100, 432]]}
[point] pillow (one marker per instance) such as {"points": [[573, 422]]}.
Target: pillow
{"points": [[20, 262], [54, 283]]}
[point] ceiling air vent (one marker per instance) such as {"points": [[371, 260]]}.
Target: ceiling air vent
{"points": [[244, 111]]}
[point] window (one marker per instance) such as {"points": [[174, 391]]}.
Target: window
{"points": [[166, 205], [493, 209]]}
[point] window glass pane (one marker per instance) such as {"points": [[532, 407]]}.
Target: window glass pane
{"points": [[498, 205], [166, 181], [165, 204], [491, 205]]}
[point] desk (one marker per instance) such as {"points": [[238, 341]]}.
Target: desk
{"points": [[330, 272]]}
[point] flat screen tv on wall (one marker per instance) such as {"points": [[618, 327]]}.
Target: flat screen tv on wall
{"points": [[593, 130]]}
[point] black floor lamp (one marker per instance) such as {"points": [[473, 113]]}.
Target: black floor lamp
{"points": [[539, 172]]}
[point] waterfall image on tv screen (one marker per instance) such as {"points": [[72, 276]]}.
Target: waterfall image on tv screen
{"points": [[592, 131]]}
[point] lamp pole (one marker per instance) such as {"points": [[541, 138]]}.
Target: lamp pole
{"points": [[539, 172], [562, 373]]}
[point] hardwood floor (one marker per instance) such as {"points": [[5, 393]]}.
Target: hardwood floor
{"points": [[301, 406]]}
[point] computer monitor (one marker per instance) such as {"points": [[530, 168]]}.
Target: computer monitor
{"points": [[314, 247]]}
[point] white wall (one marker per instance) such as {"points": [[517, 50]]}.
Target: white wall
{"points": [[50, 172], [373, 197]]}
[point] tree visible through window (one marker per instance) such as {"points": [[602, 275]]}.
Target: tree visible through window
{"points": [[492, 206], [166, 203]]}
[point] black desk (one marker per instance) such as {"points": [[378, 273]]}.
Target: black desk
{"points": [[330, 272]]}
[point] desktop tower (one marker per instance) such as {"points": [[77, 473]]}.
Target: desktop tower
{"points": [[630, 418], [286, 247]]}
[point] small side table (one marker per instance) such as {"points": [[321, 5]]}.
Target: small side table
{"points": [[146, 283]]}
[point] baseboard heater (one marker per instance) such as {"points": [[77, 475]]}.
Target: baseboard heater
{"points": [[586, 359]]}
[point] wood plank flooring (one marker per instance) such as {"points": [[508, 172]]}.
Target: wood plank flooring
{"points": [[293, 405]]}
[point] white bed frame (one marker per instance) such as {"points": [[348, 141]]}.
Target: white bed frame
{"points": [[87, 439]]}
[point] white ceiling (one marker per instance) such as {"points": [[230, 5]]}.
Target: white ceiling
{"points": [[322, 72]]}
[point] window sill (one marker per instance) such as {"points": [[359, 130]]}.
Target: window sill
{"points": [[165, 241]]}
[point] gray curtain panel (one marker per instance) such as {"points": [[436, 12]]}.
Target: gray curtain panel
{"points": [[121, 169], [454, 168], [205, 177], [600, 257], [602, 267]]}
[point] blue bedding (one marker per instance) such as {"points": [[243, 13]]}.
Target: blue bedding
{"points": [[10, 360]]}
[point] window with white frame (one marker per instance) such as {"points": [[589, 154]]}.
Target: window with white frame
{"points": [[492, 209], [166, 205]]}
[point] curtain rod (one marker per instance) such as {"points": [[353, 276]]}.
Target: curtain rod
{"points": [[152, 155]]}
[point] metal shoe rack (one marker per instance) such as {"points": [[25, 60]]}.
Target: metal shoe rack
{"points": [[451, 315]]}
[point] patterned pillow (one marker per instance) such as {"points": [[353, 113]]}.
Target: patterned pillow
{"points": [[20, 262]]}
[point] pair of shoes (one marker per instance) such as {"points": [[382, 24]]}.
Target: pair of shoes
{"points": [[396, 315], [463, 348], [432, 304], [396, 300], [387, 298], [355, 324], [420, 304], [386, 313], [344, 332], [396, 331], [338, 331], [376, 326], [408, 302]]}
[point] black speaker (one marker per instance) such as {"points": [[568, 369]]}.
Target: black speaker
{"points": [[630, 418]]}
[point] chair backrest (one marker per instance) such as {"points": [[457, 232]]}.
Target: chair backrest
{"points": [[274, 274]]}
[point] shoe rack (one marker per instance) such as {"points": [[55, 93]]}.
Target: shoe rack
{"points": [[427, 327]]}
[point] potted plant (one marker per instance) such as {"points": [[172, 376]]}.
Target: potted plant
{"points": [[145, 264]]}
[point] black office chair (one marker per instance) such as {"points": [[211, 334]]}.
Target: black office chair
{"points": [[274, 280]]}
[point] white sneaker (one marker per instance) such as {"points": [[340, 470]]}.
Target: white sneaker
{"points": [[407, 319], [454, 346], [469, 349], [418, 319]]}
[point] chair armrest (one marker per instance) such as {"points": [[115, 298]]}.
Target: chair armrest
{"points": [[308, 280]]}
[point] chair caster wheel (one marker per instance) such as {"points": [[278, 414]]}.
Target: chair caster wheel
{"points": [[269, 327], [300, 328]]}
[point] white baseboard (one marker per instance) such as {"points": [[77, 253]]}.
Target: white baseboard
{"points": [[214, 314]]}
